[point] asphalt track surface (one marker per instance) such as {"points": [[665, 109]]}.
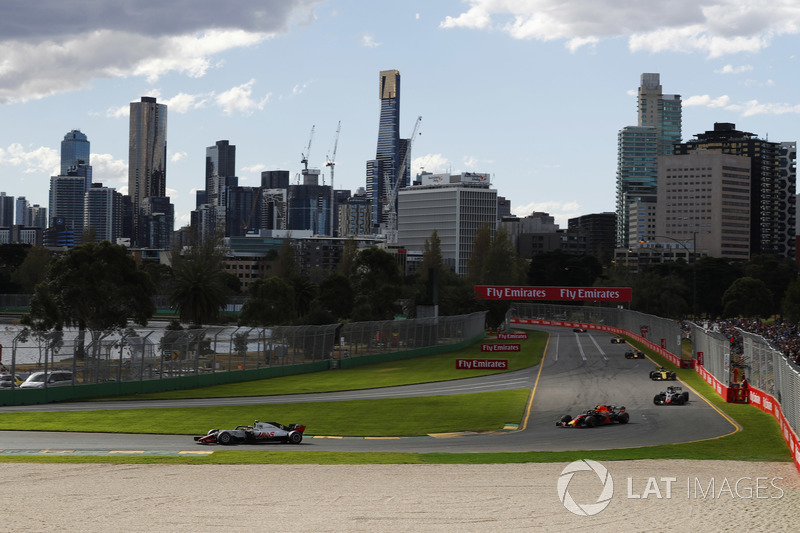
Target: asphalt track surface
{"points": [[579, 370]]}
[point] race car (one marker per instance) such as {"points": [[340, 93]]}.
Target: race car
{"points": [[672, 396], [617, 340], [662, 374], [258, 432], [600, 415], [579, 330], [634, 354]]}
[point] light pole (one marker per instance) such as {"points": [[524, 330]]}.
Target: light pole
{"points": [[692, 261]]}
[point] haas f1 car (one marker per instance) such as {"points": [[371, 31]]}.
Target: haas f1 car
{"points": [[600, 415], [258, 432], [672, 396], [662, 374]]}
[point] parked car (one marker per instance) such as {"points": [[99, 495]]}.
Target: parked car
{"points": [[9, 381], [56, 378]]}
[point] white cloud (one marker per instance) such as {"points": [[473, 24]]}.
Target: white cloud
{"points": [[560, 211], [711, 27], [41, 160], [109, 171], [182, 102], [368, 41], [730, 69], [50, 47], [705, 100], [238, 99], [177, 156], [433, 163]]}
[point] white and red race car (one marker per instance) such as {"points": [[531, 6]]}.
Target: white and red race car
{"points": [[258, 432]]}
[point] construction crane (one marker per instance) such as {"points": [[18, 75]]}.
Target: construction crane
{"points": [[392, 189], [331, 162], [305, 155]]}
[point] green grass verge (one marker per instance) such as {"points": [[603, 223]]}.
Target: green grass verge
{"points": [[427, 369], [759, 439], [484, 411]]}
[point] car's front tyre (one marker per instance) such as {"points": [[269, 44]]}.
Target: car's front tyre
{"points": [[224, 438]]}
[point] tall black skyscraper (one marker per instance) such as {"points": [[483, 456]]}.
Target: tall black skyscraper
{"points": [[391, 148], [220, 171]]}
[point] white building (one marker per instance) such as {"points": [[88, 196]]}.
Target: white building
{"points": [[456, 206]]}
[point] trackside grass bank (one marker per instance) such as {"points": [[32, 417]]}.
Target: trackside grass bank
{"points": [[759, 439]]}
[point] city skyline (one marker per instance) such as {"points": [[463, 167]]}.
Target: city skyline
{"points": [[535, 96]]}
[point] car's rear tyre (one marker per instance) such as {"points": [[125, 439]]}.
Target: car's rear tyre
{"points": [[685, 396], [624, 417], [295, 437], [224, 438]]}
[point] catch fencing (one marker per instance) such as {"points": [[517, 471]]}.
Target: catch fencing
{"points": [[160, 353]]}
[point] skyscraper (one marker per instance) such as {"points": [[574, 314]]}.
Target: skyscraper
{"points": [[147, 159], [638, 148], [75, 157], [220, 171], [382, 170], [6, 210], [103, 212]]}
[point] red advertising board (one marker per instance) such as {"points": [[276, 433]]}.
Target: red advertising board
{"points": [[512, 336], [482, 364], [558, 294], [500, 347]]}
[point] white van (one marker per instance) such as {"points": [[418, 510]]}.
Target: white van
{"points": [[53, 379]]}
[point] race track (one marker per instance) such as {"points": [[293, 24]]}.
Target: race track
{"points": [[579, 371]]}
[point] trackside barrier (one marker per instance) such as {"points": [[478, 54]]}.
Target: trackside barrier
{"points": [[153, 360], [774, 383]]}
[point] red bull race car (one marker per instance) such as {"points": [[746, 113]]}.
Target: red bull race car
{"points": [[634, 354], [599, 416], [258, 432], [672, 396]]}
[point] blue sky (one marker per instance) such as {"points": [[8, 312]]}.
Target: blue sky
{"points": [[532, 92]]}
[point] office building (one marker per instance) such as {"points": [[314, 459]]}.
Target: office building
{"points": [[6, 210], [242, 210], [157, 218], [309, 208], [147, 159], [75, 157], [67, 204], [704, 202], [354, 215], [598, 231], [36, 217], [773, 175], [455, 205], [658, 129], [20, 211], [220, 171]]}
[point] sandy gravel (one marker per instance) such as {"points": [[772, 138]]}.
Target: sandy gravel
{"points": [[517, 497]]}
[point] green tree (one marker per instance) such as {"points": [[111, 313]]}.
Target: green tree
{"points": [[336, 296], [349, 253], [747, 297], [560, 269], [33, 269], [198, 287], [791, 301], [270, 302], [377, 285], [95, 287], [11, 258], [776, 273], [481, 245], [286, 265]]}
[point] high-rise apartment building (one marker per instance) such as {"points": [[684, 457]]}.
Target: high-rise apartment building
{"points": [[75, 157], [773, 178], [382, 171], [67, 202], [20, 211], [103, 213], [657, 131], [220, 171], [147, 159]]}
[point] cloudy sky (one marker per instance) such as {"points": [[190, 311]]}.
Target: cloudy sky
{"points": [[531, 91]]}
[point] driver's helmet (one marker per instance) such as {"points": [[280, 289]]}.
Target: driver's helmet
{"points": [[601, 408]]}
